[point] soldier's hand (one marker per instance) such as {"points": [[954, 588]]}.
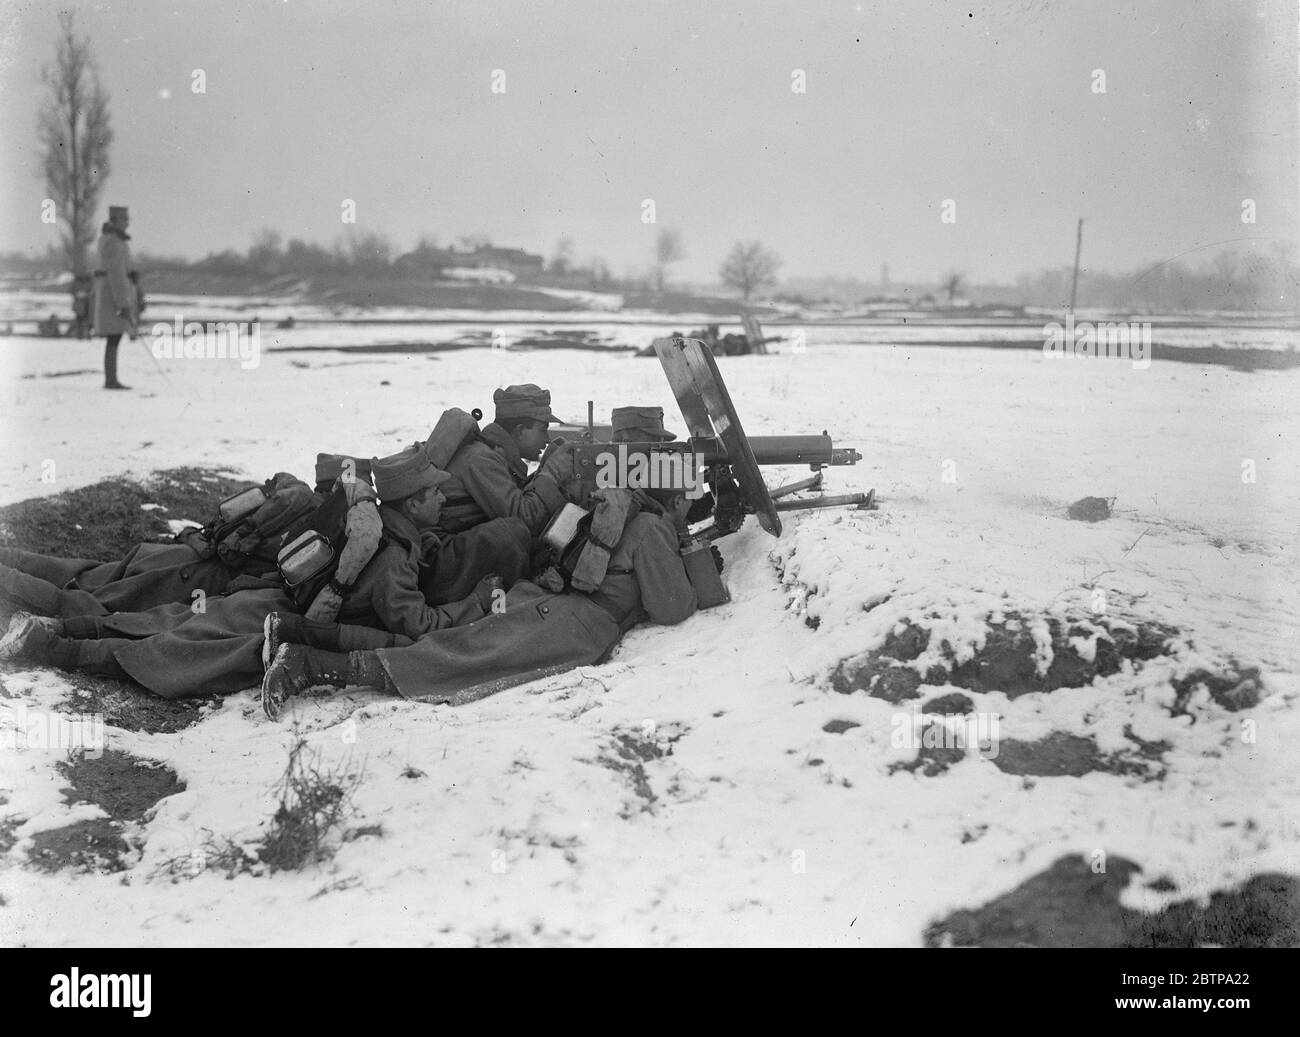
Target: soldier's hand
{"points": [[124, 312], [559, 462], [573, 490], [488, 589], [326, 605]]}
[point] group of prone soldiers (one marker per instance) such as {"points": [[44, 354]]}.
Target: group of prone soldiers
{"points": [[443, 590]]}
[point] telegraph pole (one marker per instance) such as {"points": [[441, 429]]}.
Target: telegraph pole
{"points": [[1078, 248]]}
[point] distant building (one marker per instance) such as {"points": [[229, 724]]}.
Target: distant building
{"points": [[454, 263], [479, 274], [516, 260]]}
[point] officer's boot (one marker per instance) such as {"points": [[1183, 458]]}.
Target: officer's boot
{"points": [[110, 364]]}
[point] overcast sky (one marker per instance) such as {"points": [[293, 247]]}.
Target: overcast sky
{"points": [[689, 104]]}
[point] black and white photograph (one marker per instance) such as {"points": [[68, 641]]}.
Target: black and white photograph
{"points": [[488, 473]]}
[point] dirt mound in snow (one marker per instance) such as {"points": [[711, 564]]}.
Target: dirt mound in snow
{"points": [[1020, 656], [1070, 905]]}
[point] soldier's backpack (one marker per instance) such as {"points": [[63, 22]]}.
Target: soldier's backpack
{"points": [[249, 525], [453, 430]]}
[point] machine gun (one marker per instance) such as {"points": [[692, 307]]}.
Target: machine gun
{"points": [[717, 453]]}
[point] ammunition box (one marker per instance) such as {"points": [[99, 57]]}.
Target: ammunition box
{"points": [[703, 573]]}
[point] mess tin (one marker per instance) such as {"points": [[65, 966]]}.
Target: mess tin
{"points": [[562, 528], [238, 505], [308, 555]]}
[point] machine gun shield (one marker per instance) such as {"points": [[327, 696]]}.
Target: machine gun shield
{"points": [[706, 405]]}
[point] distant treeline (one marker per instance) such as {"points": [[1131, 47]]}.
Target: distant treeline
{"points": [[1251, 279], [372, 255], [1247, 280]]}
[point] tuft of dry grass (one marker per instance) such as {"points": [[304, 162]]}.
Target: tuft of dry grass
{"points": [[315, 801]]}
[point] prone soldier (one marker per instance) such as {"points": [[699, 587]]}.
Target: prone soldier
{"points": [[175, 652], [530, 631]]}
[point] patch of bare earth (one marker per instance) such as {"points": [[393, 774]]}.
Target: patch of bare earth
{"points": [[95, 846], [126, 788], [131, 708], [627, 755], [1073, 905]]}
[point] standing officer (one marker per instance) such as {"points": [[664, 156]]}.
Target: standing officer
{"points": [[117, 307]]}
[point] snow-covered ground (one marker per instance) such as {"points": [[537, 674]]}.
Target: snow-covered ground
{"points": [[762, 826]]}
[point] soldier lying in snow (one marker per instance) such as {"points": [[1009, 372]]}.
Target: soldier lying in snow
{"points": [[530, 631], [235, 550], [175, 652]]}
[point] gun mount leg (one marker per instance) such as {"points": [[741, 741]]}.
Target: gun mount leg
{"points": [[860, 501], [813, 482]]}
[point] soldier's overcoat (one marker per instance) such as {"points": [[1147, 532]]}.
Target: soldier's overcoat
{"points": [[113, 289], [539, 630]]}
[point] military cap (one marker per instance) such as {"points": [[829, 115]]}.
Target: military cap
{"points": [[402, 474], [330, 466], [523, 402], [634, 423], [117, 212]]}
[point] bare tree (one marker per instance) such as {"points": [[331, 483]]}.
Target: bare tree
{"points": [[600, 274], [953, 282], [749, 267], [370, 252], [668, 250], [562, 261], [75, 135], [264, 254]]}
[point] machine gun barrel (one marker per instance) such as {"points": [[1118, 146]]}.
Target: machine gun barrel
{"points": [[782, 450]]}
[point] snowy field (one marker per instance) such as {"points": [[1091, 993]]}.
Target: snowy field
{"points": [[741, 820]]}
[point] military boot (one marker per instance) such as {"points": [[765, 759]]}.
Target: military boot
{"points": [[296, 668], [29, 637], [30, 593], [290, 628], [282, 628]]}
